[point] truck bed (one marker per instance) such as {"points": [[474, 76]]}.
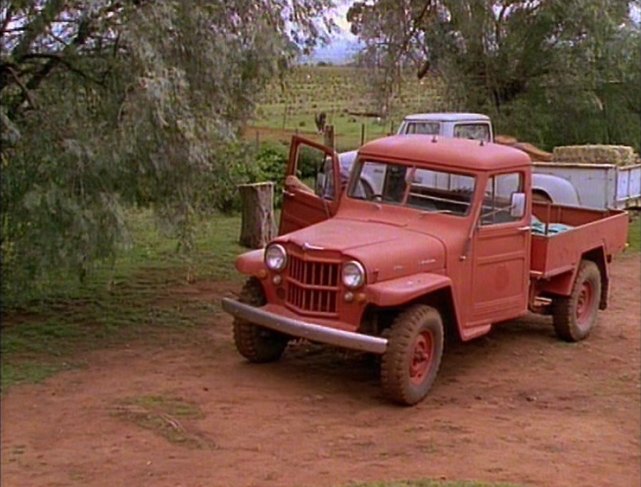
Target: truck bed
{"points": [[598, 185], [584, 230]]}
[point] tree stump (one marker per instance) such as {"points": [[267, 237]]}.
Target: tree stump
{"points": [[258, 226]]}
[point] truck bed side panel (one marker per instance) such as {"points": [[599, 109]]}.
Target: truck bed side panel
{"points": [[598, 185], [556, 254], [628, 186]]}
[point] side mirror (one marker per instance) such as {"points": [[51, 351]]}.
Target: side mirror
{"points": [[517, 205]]}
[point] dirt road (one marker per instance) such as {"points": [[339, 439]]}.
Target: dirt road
{"points": [[517, 406]]}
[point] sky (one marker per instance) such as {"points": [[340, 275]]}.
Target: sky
{"points": [[343, 44]]}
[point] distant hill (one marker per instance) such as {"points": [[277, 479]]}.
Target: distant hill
{"points": [[341, 50]]}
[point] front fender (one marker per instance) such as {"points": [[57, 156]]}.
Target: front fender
{"points": [[395, 292], [251, 263]]}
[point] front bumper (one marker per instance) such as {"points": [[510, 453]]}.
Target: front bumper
{"points": [[304, 329]]}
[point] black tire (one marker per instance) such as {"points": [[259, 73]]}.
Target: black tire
{"points": [[575, 315], [413, 356], [255, 343]]}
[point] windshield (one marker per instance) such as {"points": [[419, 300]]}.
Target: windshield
{"points": [[474, 131], [408, 185], [425, 128]]}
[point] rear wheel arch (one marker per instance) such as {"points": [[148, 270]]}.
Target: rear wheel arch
{"points": [[541, 196], [597, 255], [561, 285]]}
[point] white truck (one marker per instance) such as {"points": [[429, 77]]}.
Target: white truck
{"points": [[597, 186]]}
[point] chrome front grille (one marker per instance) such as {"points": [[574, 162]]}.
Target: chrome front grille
{"points": [[312, 286]]}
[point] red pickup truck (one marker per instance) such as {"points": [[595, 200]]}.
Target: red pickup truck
{"points": [[449, 242]]}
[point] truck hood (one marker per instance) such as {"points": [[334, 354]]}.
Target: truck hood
{"points": [[386, 250]]}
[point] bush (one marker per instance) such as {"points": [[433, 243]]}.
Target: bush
{"points": [[270, 165], [246, 165]]}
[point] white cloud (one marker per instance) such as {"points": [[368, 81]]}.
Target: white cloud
{"points": [[339, 15]]}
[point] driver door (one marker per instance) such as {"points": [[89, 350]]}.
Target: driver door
{"points": [[501, 253], [312, 185]]}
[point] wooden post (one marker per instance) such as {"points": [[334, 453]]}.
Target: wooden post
{"points": [[362, 133], [258, 226], [328, 137]]}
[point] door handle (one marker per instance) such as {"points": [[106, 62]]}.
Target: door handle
{"points": [[288, 193], [525, 228]]}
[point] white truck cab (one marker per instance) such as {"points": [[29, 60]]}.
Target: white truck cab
{"points": [[461, 125]]}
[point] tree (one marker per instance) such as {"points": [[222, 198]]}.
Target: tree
{"points": [[499, 55], [110, 104]]}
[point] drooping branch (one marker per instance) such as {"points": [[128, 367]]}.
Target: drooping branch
{"points": [[37, 27], [53, 60], [23, 88]]}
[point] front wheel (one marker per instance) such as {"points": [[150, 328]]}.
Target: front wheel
{"points": [[575, 315], [255, 343], [413, 355]]}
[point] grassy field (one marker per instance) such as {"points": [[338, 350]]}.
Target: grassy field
{"points": [[343, 95], [42, 333]]}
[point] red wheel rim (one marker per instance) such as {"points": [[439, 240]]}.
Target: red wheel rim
{"points": [[584, 304], [422, 355]]}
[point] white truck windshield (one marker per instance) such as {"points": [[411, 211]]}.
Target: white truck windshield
{"points": [[425, 128]]}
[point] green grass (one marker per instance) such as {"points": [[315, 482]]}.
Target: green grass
{"points": [[43, 330], [342, 94], [347, 128]]}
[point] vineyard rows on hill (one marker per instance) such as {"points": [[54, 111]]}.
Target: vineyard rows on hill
{"points": [[343, 94]]}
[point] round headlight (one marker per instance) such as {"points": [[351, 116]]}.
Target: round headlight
{"points": [[353, 274], [275, 257]]}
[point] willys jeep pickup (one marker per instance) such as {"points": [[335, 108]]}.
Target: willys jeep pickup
{"points": [[449, 241]]}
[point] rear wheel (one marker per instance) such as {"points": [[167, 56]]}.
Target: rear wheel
{"points": [[255, 343], [576, 315], [413, 355]]}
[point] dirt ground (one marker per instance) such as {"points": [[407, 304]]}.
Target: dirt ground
{"points": [[516, 406]]}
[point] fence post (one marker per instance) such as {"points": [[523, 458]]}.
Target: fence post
{"points": [[328, 137], [362, 133]]}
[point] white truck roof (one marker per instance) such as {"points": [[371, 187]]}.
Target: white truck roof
{"points": [[446, 117]]}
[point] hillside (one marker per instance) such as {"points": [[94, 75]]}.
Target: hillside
{"points": [[341, 93]]}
